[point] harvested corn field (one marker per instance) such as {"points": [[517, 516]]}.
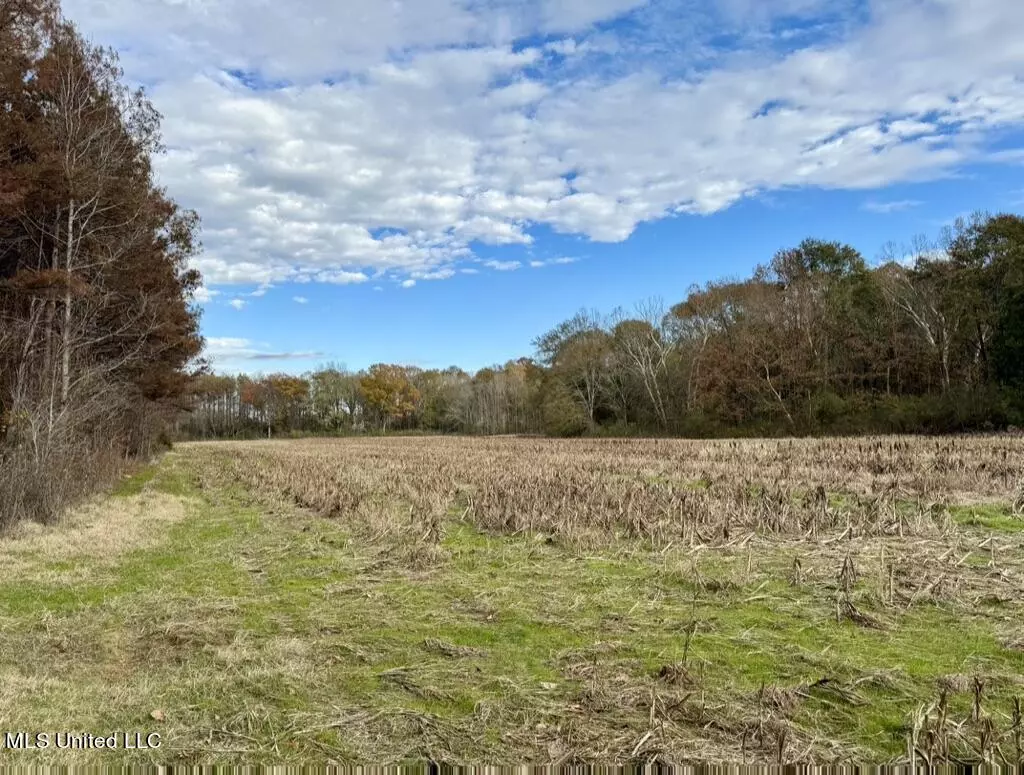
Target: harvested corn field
{"points": [[707, 493], [527, 600]]}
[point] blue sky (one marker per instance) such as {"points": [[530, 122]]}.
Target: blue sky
{"points": [[437, 182]]}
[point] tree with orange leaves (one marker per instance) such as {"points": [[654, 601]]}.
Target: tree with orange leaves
{"points": [[389, 393]]}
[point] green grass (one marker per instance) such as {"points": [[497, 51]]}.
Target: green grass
{"points": [[135, 483], [989, 516], [262, 633]]}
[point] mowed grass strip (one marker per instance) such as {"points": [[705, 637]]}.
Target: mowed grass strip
{"points": [[242, 628]]}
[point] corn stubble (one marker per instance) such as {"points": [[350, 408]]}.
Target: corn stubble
{"points": [[868, 522], [586, 492]]}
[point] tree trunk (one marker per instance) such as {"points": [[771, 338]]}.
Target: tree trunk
{"points": [[945, 365], [65, 385], [778, 396]]}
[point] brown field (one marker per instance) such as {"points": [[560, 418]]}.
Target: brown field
{"points": [[695, 492], [529, 600]]}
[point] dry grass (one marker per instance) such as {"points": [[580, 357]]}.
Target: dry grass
{"points": [[697, 493], [870, 529], [96, 533], [481, 600]]}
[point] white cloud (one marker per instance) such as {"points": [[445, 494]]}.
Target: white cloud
{"points": [[408, 283], [307, 39], [225, 346], [204, 295], [439, 274], [335, 277], [403, 134], [300, 299], [884, 208], [503, 266], [225, 351], [238, 304], [560, 261], [1009, 156]]}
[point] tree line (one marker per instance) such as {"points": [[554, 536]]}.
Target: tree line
{"points": [[97, 324], [814, 341]]}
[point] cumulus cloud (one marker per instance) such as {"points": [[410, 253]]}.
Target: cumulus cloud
{"points": [[204, 295], [238, 304], [300, 299], [337, 142]]}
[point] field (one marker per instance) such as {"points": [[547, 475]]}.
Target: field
{"points": [[524, 600]]}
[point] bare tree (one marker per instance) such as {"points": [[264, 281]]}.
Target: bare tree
{"points": [[643, 345], [920, 299]]}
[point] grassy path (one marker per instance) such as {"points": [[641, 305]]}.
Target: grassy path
{"points": [[245, 630]]}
